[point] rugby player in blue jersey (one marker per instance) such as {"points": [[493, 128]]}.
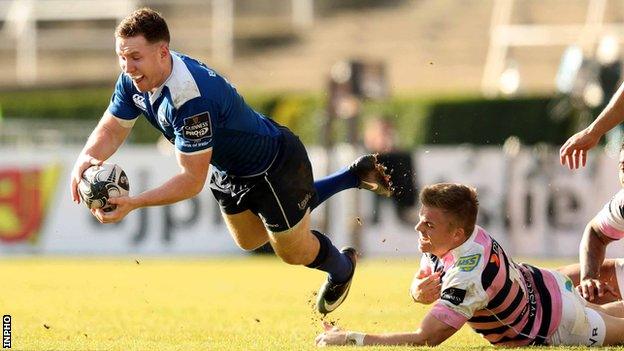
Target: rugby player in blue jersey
{"points": [[262, 177]]}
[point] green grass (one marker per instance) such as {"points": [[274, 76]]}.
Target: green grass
{"points": [[255, 303]]}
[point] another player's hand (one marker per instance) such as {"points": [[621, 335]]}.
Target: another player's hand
{"points": [[82, 163], [332, 335], [574, 152], [591, 289], [425, 288], [124, 204]]}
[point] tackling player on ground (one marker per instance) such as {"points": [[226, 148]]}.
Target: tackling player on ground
{"points": [[599, 280], [262, 177], [472, 280]]}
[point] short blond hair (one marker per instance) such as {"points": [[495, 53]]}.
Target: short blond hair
{"points": [[458, 200]]}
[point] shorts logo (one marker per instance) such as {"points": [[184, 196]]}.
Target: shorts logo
{"points": [[594, 334], [569, 285], [139, 101], [302, 205], [468, 263], [197, 127], [267, 224], [453, 295]]}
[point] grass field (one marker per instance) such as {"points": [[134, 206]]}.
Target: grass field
{"points": [[255, 303]]}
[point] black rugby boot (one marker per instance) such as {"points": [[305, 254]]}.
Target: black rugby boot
{"points": [[331, 295]]}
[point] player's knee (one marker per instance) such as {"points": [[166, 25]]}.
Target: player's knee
{"points": [[294, 245], [291, 257], [250, 246]]}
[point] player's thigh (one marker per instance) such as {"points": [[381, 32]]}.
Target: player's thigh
{"points": [[573, 271], [245, 226], [614, 329], [246, 229], [296, 245], [608, 273], [579, 323], [283, 196]]}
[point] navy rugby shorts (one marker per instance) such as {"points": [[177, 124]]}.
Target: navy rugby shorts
{"points": [[280, 196]]}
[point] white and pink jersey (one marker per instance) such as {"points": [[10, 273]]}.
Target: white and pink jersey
{"points": [[509, 304], [610, 219]]}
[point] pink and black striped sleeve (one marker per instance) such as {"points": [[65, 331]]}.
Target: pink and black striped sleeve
{"points": [[610, 220]]}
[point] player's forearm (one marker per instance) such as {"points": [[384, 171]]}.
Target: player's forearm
{"points": [[180, 187], [417, 338], [105, 140], [612, 115], [592, 253]]}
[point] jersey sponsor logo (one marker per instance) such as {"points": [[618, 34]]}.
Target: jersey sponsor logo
{"points": [[197, 127], [495, 259], [139, 101], [468, 263], [453, 295], [530, 294]]}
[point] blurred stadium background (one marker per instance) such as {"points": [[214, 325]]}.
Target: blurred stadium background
{"points": [[475, 91]]}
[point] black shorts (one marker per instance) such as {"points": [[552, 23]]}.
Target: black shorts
{"points": [[280, 196]]}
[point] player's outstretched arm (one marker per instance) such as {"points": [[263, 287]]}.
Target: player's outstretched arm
{"points": [[591, 256], [432, 332], [186, 184], [105, 139], [573, 153]]}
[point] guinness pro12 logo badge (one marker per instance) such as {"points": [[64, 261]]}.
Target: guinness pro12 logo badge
{"points": [[197, 127]]}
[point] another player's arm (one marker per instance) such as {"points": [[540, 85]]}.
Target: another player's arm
{"points": [[184, 185], [574, 151], [431, 332], [592, 255], [612, 115], [105, 139]]}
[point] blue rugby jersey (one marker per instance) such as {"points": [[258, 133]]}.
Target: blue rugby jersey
{"points": [[198, 110]]}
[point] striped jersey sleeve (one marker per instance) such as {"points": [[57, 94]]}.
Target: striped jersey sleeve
{"points": [[610, 220]]}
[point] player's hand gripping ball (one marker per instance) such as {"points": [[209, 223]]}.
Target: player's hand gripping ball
{"points": [[99, 183]]}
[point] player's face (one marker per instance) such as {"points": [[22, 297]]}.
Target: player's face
{"points": [[147, 64], [621, 168], [437, 235]]}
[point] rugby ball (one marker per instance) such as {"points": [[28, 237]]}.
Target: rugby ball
{"points": [[99, 183]]}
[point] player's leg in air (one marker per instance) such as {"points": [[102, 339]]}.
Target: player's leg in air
{"points": [[611, 272], [365, 173], [276, 208]]}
